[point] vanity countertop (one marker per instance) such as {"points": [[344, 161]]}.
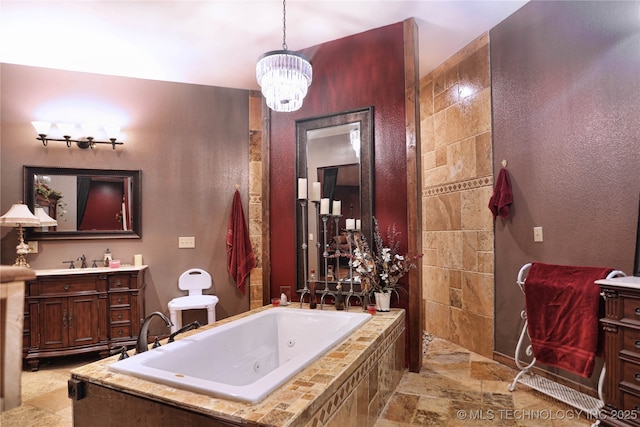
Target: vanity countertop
{"points": [[632, 282], [67, 271], [288, 405]]}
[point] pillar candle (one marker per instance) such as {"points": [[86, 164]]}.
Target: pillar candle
{"points": [[324, 206], [137, 260], [302, 188], [350, 223], [315, 191], [337, 206], [358, 224]]}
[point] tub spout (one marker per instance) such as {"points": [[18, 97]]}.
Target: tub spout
{"points": [[190, 326], [142, 344]]}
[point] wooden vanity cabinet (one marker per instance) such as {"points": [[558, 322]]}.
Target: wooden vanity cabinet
{"points": [[621, 326], [82, 312]]}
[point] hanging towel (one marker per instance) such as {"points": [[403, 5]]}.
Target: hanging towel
{"points": [[240, 257], [563, 310], [502, 196]]}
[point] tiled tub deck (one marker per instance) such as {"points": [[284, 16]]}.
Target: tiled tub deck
{"points": [[349, 385]]}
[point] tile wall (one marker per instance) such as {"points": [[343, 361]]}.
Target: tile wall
{"points": [[457, 239]]}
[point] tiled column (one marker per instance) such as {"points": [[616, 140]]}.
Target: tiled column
{"points": [[457, 226]]}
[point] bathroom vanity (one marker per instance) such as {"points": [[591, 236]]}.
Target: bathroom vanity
{"points": [[73, 311], [348, 385]]}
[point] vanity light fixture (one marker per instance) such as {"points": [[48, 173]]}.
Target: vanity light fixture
{"points": [[68, 129], [20, 216], [284, 76]]}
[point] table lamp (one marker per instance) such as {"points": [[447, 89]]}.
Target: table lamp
{"points": [[18, 216]]}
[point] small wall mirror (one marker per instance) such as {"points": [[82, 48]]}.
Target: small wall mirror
{"points": [[86, 203], [335, 151]]}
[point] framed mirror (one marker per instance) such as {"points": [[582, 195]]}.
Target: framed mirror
{"points": [[86, 203], [335, 154]]}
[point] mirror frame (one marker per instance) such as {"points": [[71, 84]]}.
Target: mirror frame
{"points": [[365, 117], [136, 224]]}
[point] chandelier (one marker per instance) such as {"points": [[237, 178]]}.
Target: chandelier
{"points": [[283, 76]]}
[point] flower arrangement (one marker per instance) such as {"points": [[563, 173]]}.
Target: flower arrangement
{"points": [[381, 270], [45, 191]]}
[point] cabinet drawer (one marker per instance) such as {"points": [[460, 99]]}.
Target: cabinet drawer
{"points": [[631, 374], [121, 315], [631, 340], [120, 332], [120, 281], [120, 298], [630, 309], [75, 285]]}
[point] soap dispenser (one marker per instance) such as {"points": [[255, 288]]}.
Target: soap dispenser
{"points": [[107, 258]]}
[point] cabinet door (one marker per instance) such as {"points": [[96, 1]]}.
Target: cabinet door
{"points": [[83, 315], [53, 323]]}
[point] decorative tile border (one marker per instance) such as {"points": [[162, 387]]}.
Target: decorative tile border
{"points": [[453, 187], [324, 414]]}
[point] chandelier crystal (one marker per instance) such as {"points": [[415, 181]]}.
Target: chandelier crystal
{"points": [[284, 76]]}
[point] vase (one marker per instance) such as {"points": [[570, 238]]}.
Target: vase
{"points": [[383, 301]]}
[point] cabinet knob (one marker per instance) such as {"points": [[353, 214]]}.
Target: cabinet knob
{"points": [[119, 299], [119, 316], [637, 376], [637, 311], [120, 332], [68, 286], [637, 343], [119, 283]]}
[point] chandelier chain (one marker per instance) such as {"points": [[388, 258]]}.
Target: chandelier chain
{"points": [[284, 24]]}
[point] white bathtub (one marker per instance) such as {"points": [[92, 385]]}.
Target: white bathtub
{"points": [[248, 358]]}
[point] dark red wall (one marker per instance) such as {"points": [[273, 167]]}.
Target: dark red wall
{"points": [[363, 70], [566, 83]]}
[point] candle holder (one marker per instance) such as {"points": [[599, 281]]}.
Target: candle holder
{"points": [[336, 254], [304, 246], [325, 254], [351, 292]]}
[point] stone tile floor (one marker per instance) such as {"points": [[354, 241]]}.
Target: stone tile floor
{"points": [[454, 388]]}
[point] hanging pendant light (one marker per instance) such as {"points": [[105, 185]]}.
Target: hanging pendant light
{"points": [[284, 76]]}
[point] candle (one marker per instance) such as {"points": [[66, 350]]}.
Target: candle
{"points": [[324, 206], [337, 205], [302, 188], [315, 191], [137, 260], [358, 224], [350, 224]]}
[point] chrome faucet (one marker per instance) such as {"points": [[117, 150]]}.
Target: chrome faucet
{"points": [[142, 344]]}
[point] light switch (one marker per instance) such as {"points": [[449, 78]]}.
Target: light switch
{"points": [[537, 234], [33, 247], [186, 242]]}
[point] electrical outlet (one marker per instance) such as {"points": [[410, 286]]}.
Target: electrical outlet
{"points": [[186, 242], [33, 247], [537, 234]]}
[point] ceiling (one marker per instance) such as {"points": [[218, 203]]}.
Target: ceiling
{"points": [[216, 42]]}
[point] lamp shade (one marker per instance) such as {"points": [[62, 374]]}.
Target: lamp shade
{"points": [[18, 215], [45, 219]]}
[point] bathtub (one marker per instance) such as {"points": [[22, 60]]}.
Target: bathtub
{"points": [[248, 358]]}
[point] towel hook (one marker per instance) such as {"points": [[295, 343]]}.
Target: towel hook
{"points": [[504, 163], [237, 186]]}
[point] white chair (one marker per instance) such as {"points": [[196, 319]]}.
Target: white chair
{"points": [[193, 281]]}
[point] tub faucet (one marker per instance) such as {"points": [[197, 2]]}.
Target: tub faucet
{"points": [[193, 325], [142, 344]]}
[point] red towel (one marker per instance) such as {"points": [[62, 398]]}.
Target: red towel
{"points": [[240, 257], [502, 196], [562, 304]]}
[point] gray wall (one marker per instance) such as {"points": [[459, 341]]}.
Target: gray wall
{"points": [[191, 143], [565, 81]]}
